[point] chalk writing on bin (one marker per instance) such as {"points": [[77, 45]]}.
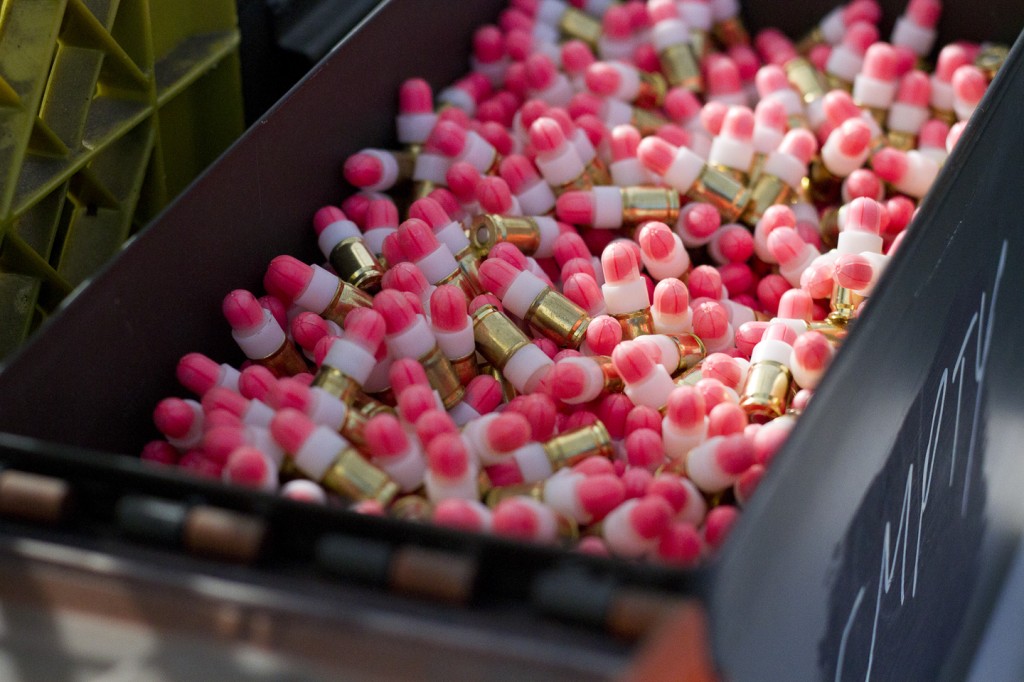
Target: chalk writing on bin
{"points": [[904, 564]]}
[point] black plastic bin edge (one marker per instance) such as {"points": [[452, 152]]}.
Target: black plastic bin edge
{"points": [[933, 375], [109, 315]]}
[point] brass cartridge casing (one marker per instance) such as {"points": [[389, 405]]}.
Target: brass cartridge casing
{"points": [[347, 299], [641, 204], [729, 197], [558, 318], [768, 190], [286, 361], [356, 265], [636, 323], [442, 377], [337, 383], [572, 447], [471, 288], [681, 68], [767, 391], [351, 476], [731, 32], [691, 351], [489, 229], [806, 79], [577, 24], [497, 337]]}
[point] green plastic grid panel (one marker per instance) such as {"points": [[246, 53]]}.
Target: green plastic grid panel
{"points": [[108, 109]]}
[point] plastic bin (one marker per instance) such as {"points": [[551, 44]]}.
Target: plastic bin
{"points": [[283, 39], [874, 547], [108, 110]]}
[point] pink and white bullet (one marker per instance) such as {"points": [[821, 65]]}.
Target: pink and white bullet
{"points": [[634, 528], [718, 462], [646, 381]]}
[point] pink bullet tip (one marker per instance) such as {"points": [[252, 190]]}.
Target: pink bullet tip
{"points": [[656, 154], [682, 105], [327, 216], [415, 97], [616, 23], [198, 373], [661, 10], [969, 84], [385, 436], [854, 136], [540, 71], [173, 417], [396, 310], [159, 452], [462, 178], [813, 351], [381, 213], [705, 282], [602, 78], [632, 361], [415, 400], [864, 215], [255, 382], [488, 44], [582, 289], [496, 275], [494, 195], [507, 432], [546, 135], [671, 297], [619, 263], [860, 36], [686, 407], [924, 13], [248, 466], [718, 523], [657, 241], [405, 373], [710, 320], [599, 494], [448, 308], [880, 62], [915, 89], [576, 56], [796, 304], [290, 428], [645, 449], [890, 164], [519, 172], [447, 456], [951, 57], [724, 368], [738, 124], [405, 277], [771, 78], [363, 170], [604, 334], [242, 311], [651, 516], [467, 515], [700, 219], [567, 380], [430, 211], [576, 207], [722, 75], [432, 423], [416, 239], [853, 271], [483, 393]]}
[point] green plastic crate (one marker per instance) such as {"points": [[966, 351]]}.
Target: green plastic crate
{"points": [[108, 109]]}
